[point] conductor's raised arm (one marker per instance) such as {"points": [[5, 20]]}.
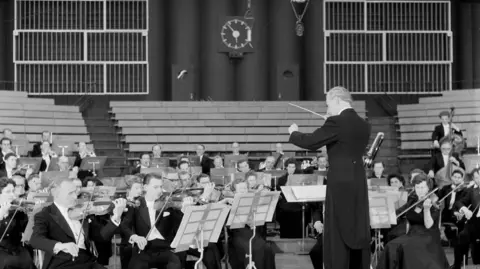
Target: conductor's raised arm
{"points": [[322, 136]]}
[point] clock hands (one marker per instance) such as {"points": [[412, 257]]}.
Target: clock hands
{"points": [[235, 33]]}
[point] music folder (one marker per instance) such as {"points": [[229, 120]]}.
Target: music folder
{"points": [[252, 209], [382, 210], [221, 176], [200, 225], [93, 163], [232, 160]]}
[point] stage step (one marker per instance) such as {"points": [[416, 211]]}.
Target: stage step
{"points": [[292, 261], [283, 245]]}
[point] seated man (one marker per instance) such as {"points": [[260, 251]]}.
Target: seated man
{"points": [[443, 129], [144, 163], [441, 159], [37, 148], [63, 239]]}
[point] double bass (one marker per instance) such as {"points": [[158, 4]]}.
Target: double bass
{"points": [[442, 177]]}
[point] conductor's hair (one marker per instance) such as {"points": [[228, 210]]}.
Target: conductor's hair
{"points": [[341, 93]]}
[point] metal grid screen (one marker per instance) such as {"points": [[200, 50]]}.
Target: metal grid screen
{"points": [[395, 47], [81, 46]]}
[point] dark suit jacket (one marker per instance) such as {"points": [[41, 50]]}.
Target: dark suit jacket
{"points": [[439, 133], [137, 221], [37, 150], [206, 164], [447, 213], [437, 163], [51, 227], [346, 137]]}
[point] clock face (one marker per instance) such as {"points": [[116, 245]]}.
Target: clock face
{"points": [[236, 34]]}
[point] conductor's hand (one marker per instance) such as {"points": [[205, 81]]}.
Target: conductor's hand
{"points": [[318, 226], [70, 248], [293, 128], [139, 240]]}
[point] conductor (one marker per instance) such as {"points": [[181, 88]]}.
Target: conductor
{"points": [[347, 222]]}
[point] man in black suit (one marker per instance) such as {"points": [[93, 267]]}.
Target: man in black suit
{"points": [[152, 248], [205, 162], [443, 129], [347, 222], [37, 147], [441, 158], [469, 206], [63, 239]]}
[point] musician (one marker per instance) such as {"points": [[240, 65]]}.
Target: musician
{"points": [[157, 151], [63, 238], [12, 225], [441, 159], [6, 145], [47, 155], [34, 184], [19, 186], [144, 163], [235, 148], [10, 163], [154, 250], [378, 169], [184, 166], [217, 162], [455, 191], [243, 166], [210, 194], [263, 255], [205, 162], [83, 152], [8, 133], [468, 205], [268, 165], [421, 245], [347, 223], [443, 129], [37, 147], [135, 191], [318, 164], [289, 215]]}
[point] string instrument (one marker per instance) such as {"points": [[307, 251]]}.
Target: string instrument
{"points": [[458, 141], [431, 195]]}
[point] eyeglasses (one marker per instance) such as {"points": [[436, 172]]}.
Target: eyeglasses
{"points": [[446, 148]]}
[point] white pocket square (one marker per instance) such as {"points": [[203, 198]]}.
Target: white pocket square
{"points": [[166, 214], [89, 221]]}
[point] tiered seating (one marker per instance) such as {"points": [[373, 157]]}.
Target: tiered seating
{"points": [[417, 121], [179, 126], [29, 117]]}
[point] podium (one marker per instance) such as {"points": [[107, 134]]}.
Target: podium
{"points": [[200, 225], [93, 163], [252, 209], [304, 194]]}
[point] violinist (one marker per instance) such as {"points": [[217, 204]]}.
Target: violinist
{"points": [[442, 158], [12, 225], [135, 191], [398, 181], [19, 186], [263, 255], [66, 243], [243, 166], [209, 194], [151, 236], [456, 191], [468, 205], [268, 165], [183, 166], [10, 163], [144, 163], [421, 245], [442, 130], [47, 155], [6, 146]]}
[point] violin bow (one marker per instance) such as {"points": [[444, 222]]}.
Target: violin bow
{"points": [[417, 203], [450, 193], [10, 221], [308, 110]]}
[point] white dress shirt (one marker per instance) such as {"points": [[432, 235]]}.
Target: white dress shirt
{"points": [[75, 226], [47, 160], [446, 129], [155, 234], [9, 173], [452, 198], [445, 160]]}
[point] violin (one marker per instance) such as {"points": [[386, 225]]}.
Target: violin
{"points": [[81, 211]]}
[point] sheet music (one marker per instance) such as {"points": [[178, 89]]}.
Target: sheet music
{"points": [[382, 211], [265, 203], [316, 192]]}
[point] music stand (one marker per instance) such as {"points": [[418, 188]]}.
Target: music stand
{"points": [[200, 225], [194, 160], [33, 163], [65, 147], [276, 174], [252, 209], [47, 178], [155, 170], [160, 162], [21, 147], [195, 170], [232, 160], [93, 163], [220, 176], [382, 216], [377, 182], [303, 188], [54, 163]]}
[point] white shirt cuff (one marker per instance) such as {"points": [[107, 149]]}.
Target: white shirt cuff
{"points": [[114, 221], [56, 248]]}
